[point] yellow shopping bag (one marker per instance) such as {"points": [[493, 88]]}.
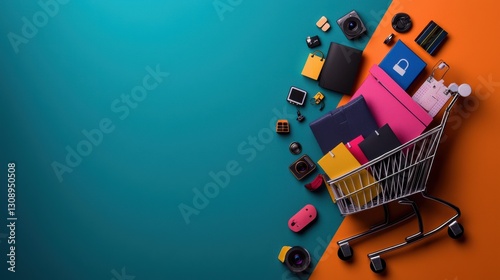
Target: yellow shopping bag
{"points": [[314, 64], [360, 187]]}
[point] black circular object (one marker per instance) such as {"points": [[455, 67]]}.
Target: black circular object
{"points": [[343, 257], [351, 26], [456, 235], [401, 22], [295, 148], [297, 259], [389, 39], [301, 167], [379, 270]]}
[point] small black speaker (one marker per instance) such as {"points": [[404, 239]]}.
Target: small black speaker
{"points": [[401, 22]]}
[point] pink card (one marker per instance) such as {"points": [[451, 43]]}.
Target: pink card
{"points": [[353, 147]]}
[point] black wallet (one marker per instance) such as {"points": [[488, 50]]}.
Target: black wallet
{"points": [[341, 68]]}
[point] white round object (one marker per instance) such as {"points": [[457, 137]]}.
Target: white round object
{"points": [[464, 90], [453, 87]]}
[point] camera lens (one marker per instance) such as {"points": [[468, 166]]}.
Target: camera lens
{"points": [[297, 259], [352, 25], [301, 167]]}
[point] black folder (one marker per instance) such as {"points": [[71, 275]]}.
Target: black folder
{"points": [[343, 124], [341, 68], [379, 142]]}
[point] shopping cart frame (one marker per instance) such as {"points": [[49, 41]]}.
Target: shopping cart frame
{"points": [[397, 175]]}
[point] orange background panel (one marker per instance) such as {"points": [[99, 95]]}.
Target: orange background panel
{"points": [[465, 171]]}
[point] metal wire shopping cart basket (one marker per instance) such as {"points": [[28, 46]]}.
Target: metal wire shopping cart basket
{"points": [[394, 176]]}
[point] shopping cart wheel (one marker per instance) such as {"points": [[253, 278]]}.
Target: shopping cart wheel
{"points": [[455, 230], [377, 264], [345, 252]]}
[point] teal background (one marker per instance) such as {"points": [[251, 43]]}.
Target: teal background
{"points": [[116, 215]]}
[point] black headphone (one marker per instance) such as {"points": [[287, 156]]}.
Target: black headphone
{"points": [[401, 22]]}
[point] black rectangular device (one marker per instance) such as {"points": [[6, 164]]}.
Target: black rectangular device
{"points": [[296, 96], [431, 38], [341, 68]]}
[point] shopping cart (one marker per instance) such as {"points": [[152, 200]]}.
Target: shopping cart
{"points": [[395, 176]]}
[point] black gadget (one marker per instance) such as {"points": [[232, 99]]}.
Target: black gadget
{"points": [[313, 41], [302, 167], [388, 40], [295, 148], [300, 117], [352, 25], [296, 96], [432, 37], [401, 22], [297, 259]]}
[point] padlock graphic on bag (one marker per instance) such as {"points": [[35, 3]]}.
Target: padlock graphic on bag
{"points": [[399, 69]]}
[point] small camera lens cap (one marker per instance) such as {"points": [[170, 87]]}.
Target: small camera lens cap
{"points": [[295, 148], [401, 22], [389, 39]]}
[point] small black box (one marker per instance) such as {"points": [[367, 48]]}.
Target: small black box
{"points": [[313, 41], [431, 38]]}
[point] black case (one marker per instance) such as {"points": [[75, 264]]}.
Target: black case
{"points": [[341, 68], [379, 142], [343, 124]]}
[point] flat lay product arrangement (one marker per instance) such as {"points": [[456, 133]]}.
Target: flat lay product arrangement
{"points": [[196, 140], [380, 146]]}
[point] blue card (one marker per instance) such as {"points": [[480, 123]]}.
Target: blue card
{"points": [[402, 65]]}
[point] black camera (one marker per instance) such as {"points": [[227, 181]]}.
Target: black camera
{"points": [[297, 259], [302, 167], [351, 25]]}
